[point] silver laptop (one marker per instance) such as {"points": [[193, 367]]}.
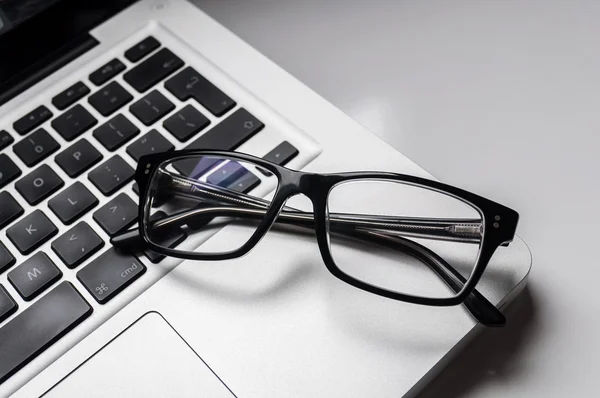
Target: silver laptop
{"points": [[86, 88]]}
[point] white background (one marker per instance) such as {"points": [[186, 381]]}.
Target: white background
{"points": [[498, 97]]}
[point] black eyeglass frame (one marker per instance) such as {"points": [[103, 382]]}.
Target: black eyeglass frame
{"points": [[499, 222]]}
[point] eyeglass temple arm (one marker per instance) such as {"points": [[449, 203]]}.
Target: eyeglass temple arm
{"points": [[479, 307], [457, 230]]}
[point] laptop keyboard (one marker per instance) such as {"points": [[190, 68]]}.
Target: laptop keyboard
{"points": [[57, 304]]}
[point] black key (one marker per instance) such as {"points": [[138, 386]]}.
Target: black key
{"points": [[6, 259], [151, 108], [107, 72], [282, 154], [110, 98], [10, 210], [31, 232], [77, 245], [245, 184], [153, 142], [39, 184], [190, 84], [78, 158], [142, 49], [72, 203], [227, 174], [186, 123], [74, 122], [111, 175], [109, 274], [230, 133], [170, 240], [34, 275], [225, 136], [8, 306], [32, 120], [116, 132], [54, 315], [117, 215], [35, 148], [8, 170], [136, 188], [71, 95], [5, 139], [153, 70]]}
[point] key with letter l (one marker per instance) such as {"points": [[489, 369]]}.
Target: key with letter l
{"points": [[72, 203]]}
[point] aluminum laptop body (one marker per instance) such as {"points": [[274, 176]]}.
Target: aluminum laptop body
{"points": [[274, 323]]}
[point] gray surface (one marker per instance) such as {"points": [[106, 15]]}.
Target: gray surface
{"points": [[501, 98]]}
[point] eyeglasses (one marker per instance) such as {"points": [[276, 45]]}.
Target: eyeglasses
{"points": [[398, 236]]}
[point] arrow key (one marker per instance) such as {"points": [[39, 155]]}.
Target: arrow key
{"points": [[31, 232], [118, 214], [77, 245]]}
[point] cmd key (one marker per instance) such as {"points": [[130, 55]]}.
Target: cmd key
{"points": [[153, 70], [109, 274], [54, 315]]}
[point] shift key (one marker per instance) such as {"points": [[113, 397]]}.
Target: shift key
{"points": [[109, 274]]}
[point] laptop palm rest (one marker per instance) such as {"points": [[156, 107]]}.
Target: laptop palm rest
{"points": [[148, 359]]}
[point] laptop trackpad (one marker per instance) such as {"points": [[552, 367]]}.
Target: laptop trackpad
{"points": [[149, 359]]}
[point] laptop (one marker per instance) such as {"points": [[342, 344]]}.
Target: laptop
{"points": [[86, 88]]}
